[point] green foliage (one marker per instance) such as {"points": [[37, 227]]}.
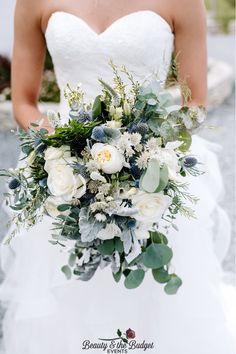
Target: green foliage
{"points": [[75, 135], [134, 278], [150, 180], [157, 255], [106, 247], [173, 285]]}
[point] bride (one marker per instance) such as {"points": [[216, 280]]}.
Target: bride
{"points": [[46, 314]]}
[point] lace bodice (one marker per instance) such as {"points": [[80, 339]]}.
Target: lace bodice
{"points": [[142, 41]]}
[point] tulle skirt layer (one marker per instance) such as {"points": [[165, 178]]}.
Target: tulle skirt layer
{"points": [[47, 314]]}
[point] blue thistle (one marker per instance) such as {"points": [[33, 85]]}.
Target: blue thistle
{"points": [[98, 133], [41, 148], [135, 170], [190, 162], [85, 116], [14, 183], [142, 128], [131, 223], [83, 171], [132, 128]]}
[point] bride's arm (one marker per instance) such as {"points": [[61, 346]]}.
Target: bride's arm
{"points": [[190, 47], [27, 63]]}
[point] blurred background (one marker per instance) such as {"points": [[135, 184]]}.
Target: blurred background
{"points": [[221, 117]]}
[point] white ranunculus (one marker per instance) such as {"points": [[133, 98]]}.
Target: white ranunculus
{"points": [[108, 157], [51, 205], [109, 232], [62, 182], [150, 206], [142, 231]]}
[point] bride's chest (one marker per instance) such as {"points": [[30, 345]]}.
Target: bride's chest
{"points": [[141, 35]]}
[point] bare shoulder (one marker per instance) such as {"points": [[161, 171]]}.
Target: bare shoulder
{"points": [[30, 11], [188, 13]]}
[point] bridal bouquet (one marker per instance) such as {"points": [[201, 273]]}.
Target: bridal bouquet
{"points": [[111, 178]]}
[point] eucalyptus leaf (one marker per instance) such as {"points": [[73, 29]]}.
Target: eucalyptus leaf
{"points": [[164, 179], [186, 138], [134, 278], [72, 259], [150, 179], [157, 255], [67, 271], [158, 237], [119, 245], [106, 247], [173, 285], [117, 276], [161, 275]]}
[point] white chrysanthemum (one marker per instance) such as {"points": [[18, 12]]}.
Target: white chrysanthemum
{"points": [[129, 152], [135, 138], [142, 160], [138, 147], [104, 188], [152, 144], [98, 206]]}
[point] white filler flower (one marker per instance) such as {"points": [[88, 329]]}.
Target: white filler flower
{"points": [[108, 157], [150, 206]]}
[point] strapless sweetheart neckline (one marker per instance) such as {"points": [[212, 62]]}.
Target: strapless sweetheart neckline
{"points": [[112, 25]]}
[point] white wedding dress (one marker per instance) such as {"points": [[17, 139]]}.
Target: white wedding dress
{"points": [[47, 314]]}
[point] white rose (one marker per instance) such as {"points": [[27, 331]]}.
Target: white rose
{"points": [[150, 206], [55, 156], [142, 231], [62, 182], [110, 160], [51, 205], [53, 153]]}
